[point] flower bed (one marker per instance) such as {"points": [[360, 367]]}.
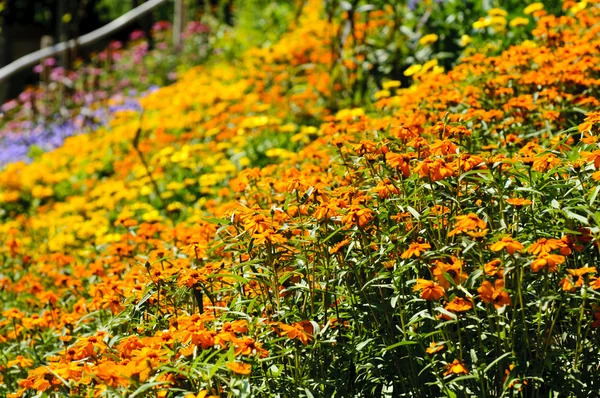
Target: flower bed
{"points": [[242, 238]]}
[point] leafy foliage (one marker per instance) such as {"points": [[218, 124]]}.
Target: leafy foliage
{"points": [[244, 237]]}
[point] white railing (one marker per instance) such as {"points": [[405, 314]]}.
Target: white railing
{"points": [[36, 57]]}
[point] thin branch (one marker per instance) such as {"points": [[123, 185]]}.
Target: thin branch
{"points": [[136, 143]]}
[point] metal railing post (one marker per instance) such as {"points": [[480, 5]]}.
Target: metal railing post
{"points": [[178, 21]]}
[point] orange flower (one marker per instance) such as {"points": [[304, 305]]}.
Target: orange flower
{"points": [[477, 234], [545, 162], [247, 346], [239, 326], [544, 245], [112, 374], [459, 305], [430, 290], [201, 394], [37, 379], [494, 294], [338, 246], [257, 223], [548, 261], [456, 368], [454, 270], [297, 330], [415, 250], [581, 271], [433, 169], [467, 222], [568, 285], [90, 346], [21, 362], [239, 367], [148, 355], [385, 188], [518, 202], [399, 161], [492, 268], [507, 243], [434, 347], [360, 217], [444, 147], [593, 157]]}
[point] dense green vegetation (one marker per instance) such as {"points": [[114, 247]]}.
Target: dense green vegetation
{"points": [[340, 199]]}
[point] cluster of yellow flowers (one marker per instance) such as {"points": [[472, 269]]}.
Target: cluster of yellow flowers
{"points": [[125, 250]]}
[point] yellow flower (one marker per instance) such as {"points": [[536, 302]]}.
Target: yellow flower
{"points": [[288, 128], [40, 191], [279, 153], [175, 206], [412, 70], [429, 65], [497, 12], [519, 21], [437, 70], [382, 94], [530, 9], [391, 84], [481, 23], [428, 39], [578, 7], [10, 196], [465, 40], [349, 113], [498, 22]]}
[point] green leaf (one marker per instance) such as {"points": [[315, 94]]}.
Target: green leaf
{"points": [[447, 313], [274, 371], [451, 394], [363, 344], [146, 387], [495, 361], [575, 216], [400, 344], [413, 212], [460, 378], [217, 365], [215, 220]]}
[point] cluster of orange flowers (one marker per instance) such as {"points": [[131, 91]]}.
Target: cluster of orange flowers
{"points": [[451, 183]]}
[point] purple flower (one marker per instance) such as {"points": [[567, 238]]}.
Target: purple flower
{"points": [[10, 105], [49, 62], [115, 45], [136, 35], [57, 73], [194, 28], [161, 26]]}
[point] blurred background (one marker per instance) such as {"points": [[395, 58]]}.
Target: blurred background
{"points": [[28, 25]]}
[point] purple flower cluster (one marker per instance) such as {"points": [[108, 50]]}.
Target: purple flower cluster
{"points": [[18, 138], [70, 102]]}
